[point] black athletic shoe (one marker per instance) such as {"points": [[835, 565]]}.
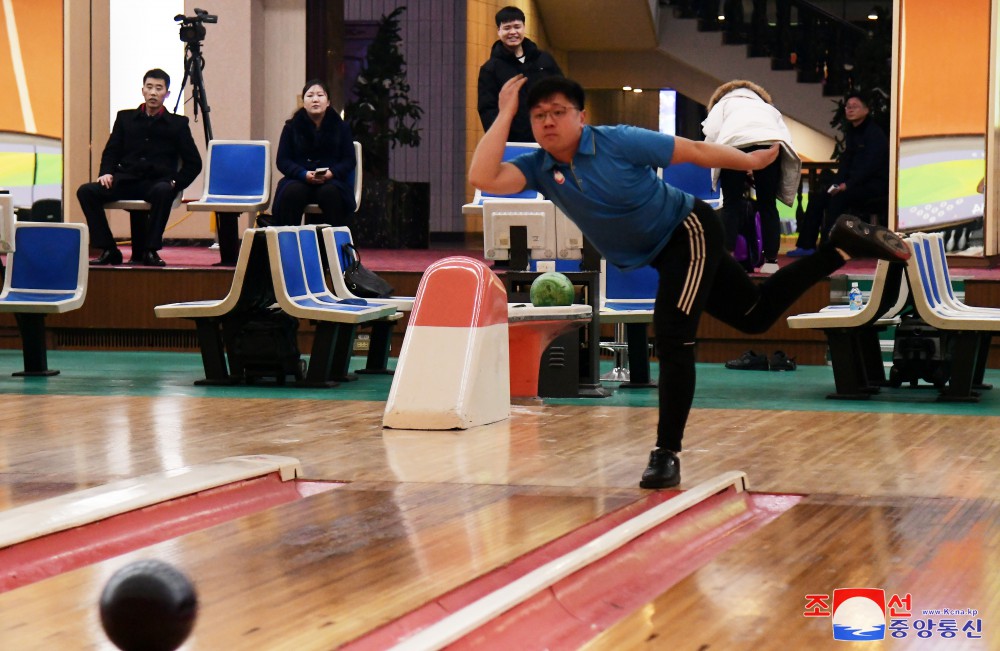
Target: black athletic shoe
{"points": [[663, 471], [748, 361], [781, 362], [860, 239]]}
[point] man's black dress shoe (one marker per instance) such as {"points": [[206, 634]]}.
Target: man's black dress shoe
{"points": [[108, 257], [663, 471], [152, 259], [138, 257], [860, 239]]}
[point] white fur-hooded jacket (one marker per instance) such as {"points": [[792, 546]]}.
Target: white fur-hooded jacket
{"points": [[740, 117]]}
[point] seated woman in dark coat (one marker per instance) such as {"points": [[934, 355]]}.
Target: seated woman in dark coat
{"points": [[316, 156]]}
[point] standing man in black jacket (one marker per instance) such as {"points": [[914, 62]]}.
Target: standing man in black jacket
{"points": [[512, 55], [150, 156]]}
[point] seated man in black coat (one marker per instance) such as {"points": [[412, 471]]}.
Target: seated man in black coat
{"points": [[861, 184], [150, 156]]}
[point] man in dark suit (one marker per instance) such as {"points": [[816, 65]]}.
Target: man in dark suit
{"points": [[512, 54], [150, 156]]}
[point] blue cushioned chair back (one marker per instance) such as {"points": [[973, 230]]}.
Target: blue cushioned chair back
{"points": [[237, 170], [692, 179], [45, 258], [562, 266], [291, 263], [932, 276], [311, 261], [341, 238], [926, 275], [938, 241], [640, 283], [511, 151]]}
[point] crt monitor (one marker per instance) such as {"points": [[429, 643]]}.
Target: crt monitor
{"points": [[518, 231], [569, 238]]}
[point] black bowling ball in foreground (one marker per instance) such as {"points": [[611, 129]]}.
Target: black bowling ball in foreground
{"points": [[148, 606]]}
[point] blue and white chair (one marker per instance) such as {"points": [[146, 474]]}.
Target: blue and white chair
{"points": [[314, 209], [237, 181], [694, 180], [853, 335], [138, 213], [301, 291], [334, 240], [46, 273], [511, 150], [250, 293], [627, 300], [971, 328]]}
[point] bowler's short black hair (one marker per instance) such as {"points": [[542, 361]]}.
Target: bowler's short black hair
{"points": [[509, 15], [548, 86], [156, 73]]}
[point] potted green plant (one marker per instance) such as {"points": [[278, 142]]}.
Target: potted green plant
{"points": [[382, 116]]}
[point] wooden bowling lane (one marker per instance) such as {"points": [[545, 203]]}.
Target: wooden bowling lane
{"points": [[943, 552], [324, 570], [52, 444]]}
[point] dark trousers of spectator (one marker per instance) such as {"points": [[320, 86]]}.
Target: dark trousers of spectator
{"points": [[296, 195], [734, 205], [818, 220], [814, 221], [159, 194]]}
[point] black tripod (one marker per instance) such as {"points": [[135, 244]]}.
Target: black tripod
{"points": [[226, 224], [194, 63]]}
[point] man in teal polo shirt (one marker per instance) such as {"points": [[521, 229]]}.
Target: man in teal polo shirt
{"points": [[604, 178]]}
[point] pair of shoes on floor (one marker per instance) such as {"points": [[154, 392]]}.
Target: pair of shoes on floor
{"points": [[751, 361], [799, 252], [147, 259], [663, 471], [108, 257], [859, 239]]}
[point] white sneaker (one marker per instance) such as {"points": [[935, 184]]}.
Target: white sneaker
{"points": [[769, 267]]}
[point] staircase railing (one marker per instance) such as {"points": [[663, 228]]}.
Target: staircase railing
{"points": [[795, 34]]}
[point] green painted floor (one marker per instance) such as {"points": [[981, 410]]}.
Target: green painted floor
{"points": [[173, 374]]}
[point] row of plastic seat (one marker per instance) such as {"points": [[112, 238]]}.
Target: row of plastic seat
{"points": [[283, 268], [237, 181], [853, 335]]}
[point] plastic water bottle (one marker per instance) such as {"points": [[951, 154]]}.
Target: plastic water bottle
{"points": [[854, 297]]}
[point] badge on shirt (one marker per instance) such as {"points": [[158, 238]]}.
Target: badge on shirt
{"points": [[558, 176]]}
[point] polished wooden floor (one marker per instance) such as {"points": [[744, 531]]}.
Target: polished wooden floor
{"points": [[904, 502]]}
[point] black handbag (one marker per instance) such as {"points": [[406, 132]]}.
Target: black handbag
{"points": [[361, 281]]}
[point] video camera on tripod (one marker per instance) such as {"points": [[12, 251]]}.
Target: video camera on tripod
{"points": [[193, 33], [193, 27]]}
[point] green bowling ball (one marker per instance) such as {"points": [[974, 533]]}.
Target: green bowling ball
{"points": [[551, 288]]}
